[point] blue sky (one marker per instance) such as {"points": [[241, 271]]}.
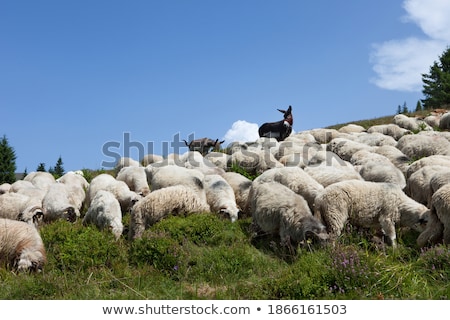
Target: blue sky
{"points": [[88, 79]]}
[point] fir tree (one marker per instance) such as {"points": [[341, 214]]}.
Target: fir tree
{"points": [[58, 170], [419, 106], [7, 162], [436, 88], [41, 167]]}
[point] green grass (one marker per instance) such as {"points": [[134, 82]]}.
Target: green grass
{"points": [[202, 256]]}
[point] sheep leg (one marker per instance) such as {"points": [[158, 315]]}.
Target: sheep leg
{"points": [[388, 228]]}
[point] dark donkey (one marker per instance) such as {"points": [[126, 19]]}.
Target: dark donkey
{"points": [[203, 145], [279, 130]]}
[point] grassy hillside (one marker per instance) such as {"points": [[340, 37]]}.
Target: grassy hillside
{"points": [[202, 256]]}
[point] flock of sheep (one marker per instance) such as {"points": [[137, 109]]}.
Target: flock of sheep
{"points": [[308, 187]]}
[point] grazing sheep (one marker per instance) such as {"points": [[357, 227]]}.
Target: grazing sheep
{"points": [[437, 181], [58, 203], [151, 158], [41, 180], [276, 209], [326, 175], [135, 178], [77, 186], [439, 160], [444, 122], [410, 123], [438, 226], [391, 129], [376, 139], [345, 148], [295, 179], [418, 186], [328, 158], [173, 200], [241, 187], [119, 189], [162, 177], [5, 187], [220, 197], [105, 212], [422, 145], [324, 136], [18, 206], [368, 204], [352, 128], [194, 160], [126, 162], [21, 246], [219, 159], [254, 161], [377, 168], [398, 158]]}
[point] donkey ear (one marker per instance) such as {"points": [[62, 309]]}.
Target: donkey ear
{"points": [[282, 111]]}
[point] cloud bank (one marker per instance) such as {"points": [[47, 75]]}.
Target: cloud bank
{"points": [[242, 131], [399, 64]]}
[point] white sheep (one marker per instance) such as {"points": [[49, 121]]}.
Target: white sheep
{"points": [[173, 200], [418, 186], [376, 139], [21, 246], [135, 178], [326, 175], [219, 159], [410, 123], [241, 186], [17, 206], [58, 203], [151, 158], [423, 145], [439, 160], [105, 212], [444, 122], [278, 210], [324, 136], [352, 128], [195, 160], [77, 186], [5, 187], [220, 196], [391, 129], [368, 204], [167, 176], [41, 180], [126, 162], [398, 158], [119, 189], [254, 160], [295, 179], [345, 148], [438, 226]]}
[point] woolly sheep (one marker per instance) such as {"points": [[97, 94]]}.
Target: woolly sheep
{"points": [[135, 178], [345, 148], [397, 158], [368, 204], [220, 197], [150, 158], [126, 162], [105, 212], [377, 168], [393, 130], [410, 123], [119, 189], [439, 160], [295, 179], [17, 206], [437, 181], [41, 180], [5, 187], [195, 160], [376, 139], [254, 161], [421, 145], [438, 227], [418, 186], [175, 200], [328, 158], [352, 128], [444, 122], [326, 175], [21, 246], [77, 186], [59, 204], [276, 209], [241, 186], [173, 175], [324, 136], [219, 159]]}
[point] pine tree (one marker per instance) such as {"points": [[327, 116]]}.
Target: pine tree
{"points": [[436, 88], [405, 108], [41, 167], [419, 106], [58, 170], [7, 162]]}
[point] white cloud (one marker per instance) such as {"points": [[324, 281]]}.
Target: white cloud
{"points": [[399, 64], [242, 131]]}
